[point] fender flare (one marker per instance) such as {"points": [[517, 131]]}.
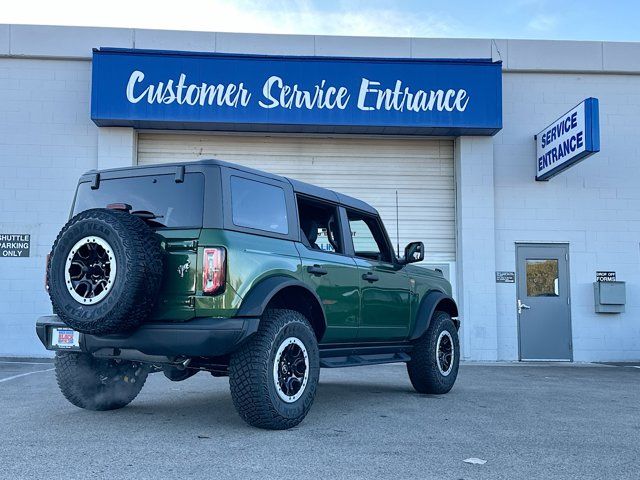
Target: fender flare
{"points": [[255, 302], [432, 301]]}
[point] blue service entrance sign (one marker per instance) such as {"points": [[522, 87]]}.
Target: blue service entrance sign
{"points": [[571, 138], [157, 89]]}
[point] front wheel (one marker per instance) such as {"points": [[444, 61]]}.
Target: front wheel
{"points": [[273, 377], [96, 384], [433, 367]]}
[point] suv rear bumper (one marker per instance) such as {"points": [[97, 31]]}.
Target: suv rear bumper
{"points": [[200, 337]]}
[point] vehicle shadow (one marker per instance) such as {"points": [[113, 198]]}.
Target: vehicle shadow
{"points": [[197, 408]]}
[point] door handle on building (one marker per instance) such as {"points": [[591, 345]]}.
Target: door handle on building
{"points": [[522, 306]]}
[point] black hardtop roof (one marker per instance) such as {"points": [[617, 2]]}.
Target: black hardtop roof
{"points": [[298, 186]]}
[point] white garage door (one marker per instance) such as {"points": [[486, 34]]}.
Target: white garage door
{"points": [[371, 169]]}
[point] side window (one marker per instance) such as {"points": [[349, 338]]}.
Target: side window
{"points": [[258, 205], [320, 226], [368, 239]]}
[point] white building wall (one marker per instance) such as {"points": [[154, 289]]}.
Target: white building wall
{"points": [[594, 205], [475, 247], [117, 147], [47, 140]]}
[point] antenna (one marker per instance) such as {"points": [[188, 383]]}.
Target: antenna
{"points": [[397, 226]]}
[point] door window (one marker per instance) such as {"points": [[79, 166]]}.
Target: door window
{"points": [[542, 277], [368, 237], [258, 205], [319, 226]]}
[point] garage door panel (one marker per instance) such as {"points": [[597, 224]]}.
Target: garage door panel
{"points": [[324, 147], [408, 196], [336, 165], [371, 169], [384, 180]]}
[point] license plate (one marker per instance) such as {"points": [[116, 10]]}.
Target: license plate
{"points": [[64, 338]]}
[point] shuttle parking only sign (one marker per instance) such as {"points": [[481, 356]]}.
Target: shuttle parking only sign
{"points": [[15, 245], [571, 138]]}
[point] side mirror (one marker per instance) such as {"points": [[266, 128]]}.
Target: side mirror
{"points": [[414, 252]]}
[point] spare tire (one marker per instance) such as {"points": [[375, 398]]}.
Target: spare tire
{"points": [[105, 272]]}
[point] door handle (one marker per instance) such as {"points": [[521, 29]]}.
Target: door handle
{"points": [[317, 270], [522, 306], [370, 277]]}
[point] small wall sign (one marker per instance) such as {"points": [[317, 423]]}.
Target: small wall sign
{"points": [[15, 244], [605, 276], [571, 138], [505, 277]]}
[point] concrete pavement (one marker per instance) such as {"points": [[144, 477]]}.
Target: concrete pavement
{"points": [[527, 422]]}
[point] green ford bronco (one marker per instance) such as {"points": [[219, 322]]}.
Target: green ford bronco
{"points": [[211, 266]]}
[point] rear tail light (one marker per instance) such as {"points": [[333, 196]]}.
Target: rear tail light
{"points": [[214, 266]]}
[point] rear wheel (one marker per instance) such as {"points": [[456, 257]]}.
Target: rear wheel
{"points": [[433, 367], [96, 384], [273, 377]]}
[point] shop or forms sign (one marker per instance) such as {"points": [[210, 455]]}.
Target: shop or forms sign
{"points": [[14, 245], [605, 276], [569, 139], [183, 90], [505, 277]]}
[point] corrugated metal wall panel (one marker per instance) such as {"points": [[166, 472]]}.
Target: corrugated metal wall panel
{"points": [[371, 169]]}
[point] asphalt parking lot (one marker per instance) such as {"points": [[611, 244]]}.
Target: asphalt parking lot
{"points": [[525, 421]]}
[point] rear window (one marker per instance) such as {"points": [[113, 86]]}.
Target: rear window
{"points": [[174, 204], [258, 205]]}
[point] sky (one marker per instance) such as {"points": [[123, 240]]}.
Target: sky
{"points": [[613, 20]]}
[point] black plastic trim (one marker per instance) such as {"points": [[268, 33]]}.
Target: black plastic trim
{"points": [[180, 174], [360, 360], [200, 337], [339, 349], [429, 304], [352, 355], [95, 181], [256, 301], [346, 232]]}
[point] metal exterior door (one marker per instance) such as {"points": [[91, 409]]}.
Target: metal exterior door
{"points": [[544, 313]]}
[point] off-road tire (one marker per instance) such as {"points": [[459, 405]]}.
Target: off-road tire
{"points": [[96, 384], [136, 286], [424, 372], [253, 389]]}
